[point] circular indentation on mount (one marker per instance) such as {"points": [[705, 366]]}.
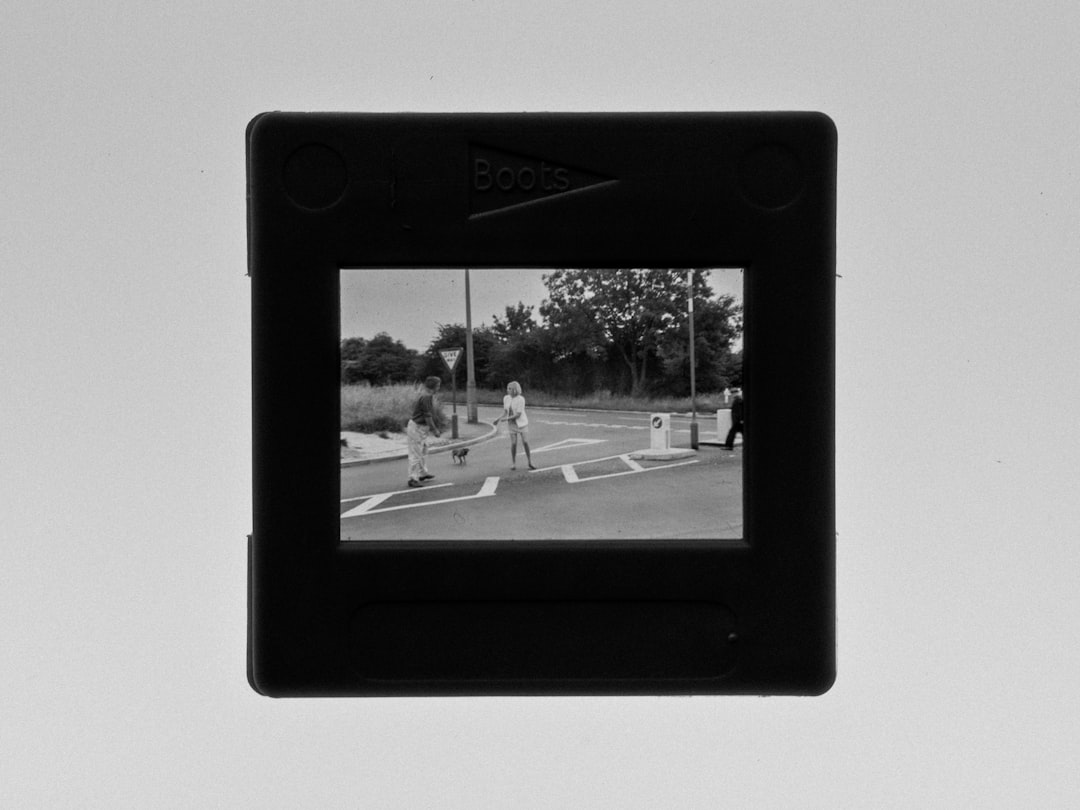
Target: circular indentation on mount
{"points": [[315, 176], [771, 176]]}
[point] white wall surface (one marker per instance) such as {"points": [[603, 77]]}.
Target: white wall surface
{"points": [[125, 432]]}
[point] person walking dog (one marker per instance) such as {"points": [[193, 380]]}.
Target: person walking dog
{"points": [[421, 425]]}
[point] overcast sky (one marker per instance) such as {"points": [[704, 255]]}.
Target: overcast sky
{"points": [[125, 421], [410, 304]]}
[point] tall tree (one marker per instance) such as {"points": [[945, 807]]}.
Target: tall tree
{"points": [[717, 325], [351, 367], [518, 321], [382, 360], [627, 311]]}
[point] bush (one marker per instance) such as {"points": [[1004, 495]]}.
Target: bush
{"points": [[373, 409]]}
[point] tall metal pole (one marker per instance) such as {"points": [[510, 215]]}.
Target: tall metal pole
{"points": [[470, 384], [693, 378], [453, 419]]}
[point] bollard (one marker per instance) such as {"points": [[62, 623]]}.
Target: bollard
{"points": [[660, 433]]}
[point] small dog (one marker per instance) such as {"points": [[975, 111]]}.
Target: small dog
{"points": [[459, 455]]}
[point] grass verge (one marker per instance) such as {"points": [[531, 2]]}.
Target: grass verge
{"points": [[605, 401], [378, 409], [374, 409]]}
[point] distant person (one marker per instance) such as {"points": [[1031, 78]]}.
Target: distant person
{"points": [[736, 420], [517, 422], [421, 425]]}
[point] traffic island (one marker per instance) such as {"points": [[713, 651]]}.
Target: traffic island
{"points": [[660, 448], [662, 454]]}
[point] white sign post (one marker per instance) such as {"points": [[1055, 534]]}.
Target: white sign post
{"points": [[660, 431], [451, 357]]}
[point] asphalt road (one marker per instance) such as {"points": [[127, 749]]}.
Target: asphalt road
{"points": [[584, 488]]}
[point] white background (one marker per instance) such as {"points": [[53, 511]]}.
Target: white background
{"points": [[125, 476]]}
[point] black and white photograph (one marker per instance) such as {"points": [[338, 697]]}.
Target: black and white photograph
{"points": [[566, 408], [131, 414]]}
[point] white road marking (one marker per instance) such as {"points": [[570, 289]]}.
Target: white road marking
{"points": [[595, 425], [569, 471], [568, 443], [579, 463], [635, 472], [385, 495], [366, 506], [487, 490]]}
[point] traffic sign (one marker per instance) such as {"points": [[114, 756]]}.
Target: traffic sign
{"points": [[450, 357]]}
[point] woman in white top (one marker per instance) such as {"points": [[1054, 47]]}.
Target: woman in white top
{"points": [[517, 421]]}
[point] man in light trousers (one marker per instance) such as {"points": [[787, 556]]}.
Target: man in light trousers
{"points": [[421, 425]]}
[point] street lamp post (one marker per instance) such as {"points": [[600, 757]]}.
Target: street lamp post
{"points": [[470, 383], [693, 379]]}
